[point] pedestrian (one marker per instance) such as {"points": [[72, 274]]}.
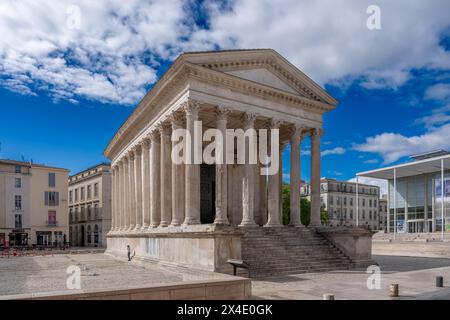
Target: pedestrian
{"points": [[129, 252]]}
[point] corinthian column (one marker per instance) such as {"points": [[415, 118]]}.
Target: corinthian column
{"points": [[146, 183], [273, 194], [126, 194], [138, 186], [248, 197], [113, 198], [166, 176], [221, 169], [132, 199], [296, 139], [120, 190], [315, 177], [155, 182], [178, 182], [192, 209]]}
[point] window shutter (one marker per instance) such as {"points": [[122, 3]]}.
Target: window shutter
{"points": [[46, 198], [56, 198]]}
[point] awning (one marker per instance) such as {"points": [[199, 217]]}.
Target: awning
{"points": [[408, 169]]}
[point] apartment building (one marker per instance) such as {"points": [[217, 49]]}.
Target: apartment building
{"points": [[33, 204], [90, 206], [339, 199]]}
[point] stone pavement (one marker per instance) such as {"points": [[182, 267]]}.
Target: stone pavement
{"points": [[98, 271], [415, 276]]}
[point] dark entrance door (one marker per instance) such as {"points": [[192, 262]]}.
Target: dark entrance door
{"points": [[207, 193], [82, 236]]}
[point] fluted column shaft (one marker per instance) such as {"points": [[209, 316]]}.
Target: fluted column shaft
{"points": [[126, 194], [166, 176], [155, 182], [115, 183], [221, 170], [138, 187], [248, 198], [192, 177], [315, 177], [295, 177], [178, 172], [273, 194], [132, 195], [145, 183], [120, 196]]}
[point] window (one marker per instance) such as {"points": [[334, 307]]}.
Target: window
{"points": [[363, 202], [70, 195], [331, 199], [351, 201], [82, 193], [18, 202], [96, 190], [370, 203], [89, 193], [89, 212], [18, 169], [345, 201], [51, 198], [76, 194], [71, 216], [18, 221], [51, 179], [51, 218], [18, 183], [96, 213]]}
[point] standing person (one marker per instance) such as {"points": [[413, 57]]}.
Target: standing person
{"points": [[129, 252]]}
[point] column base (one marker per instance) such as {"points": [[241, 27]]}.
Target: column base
{"points": [[175, 224], [163, 224]]}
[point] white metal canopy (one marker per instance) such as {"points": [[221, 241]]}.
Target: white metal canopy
{"points": [[408, 169]]}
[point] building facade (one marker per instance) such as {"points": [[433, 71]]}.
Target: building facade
{"points": [[33, 204], [417, 202], [90, 206], [383, 211], [339, 199], [194, 214]]}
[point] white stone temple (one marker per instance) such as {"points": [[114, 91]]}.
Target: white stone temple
{"points": [[201, 215]]}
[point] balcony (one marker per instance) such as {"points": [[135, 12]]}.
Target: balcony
{"points": [[52, 223]]}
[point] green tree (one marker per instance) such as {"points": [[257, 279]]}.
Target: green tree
{"points": [[305, 208]]}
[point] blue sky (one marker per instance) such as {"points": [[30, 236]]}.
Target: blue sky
{"points": [[70, 75]]}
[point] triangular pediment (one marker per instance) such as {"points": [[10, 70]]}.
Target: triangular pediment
{"points": [[264, 66], [263, 76]]}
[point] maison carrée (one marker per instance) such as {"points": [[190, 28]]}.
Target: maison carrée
{"points": [[201, 215]]}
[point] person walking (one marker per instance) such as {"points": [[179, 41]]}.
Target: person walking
{"points": [[129, 252]]}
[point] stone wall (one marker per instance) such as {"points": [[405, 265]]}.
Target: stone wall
{"points": [[200, 250], [236, 289]]}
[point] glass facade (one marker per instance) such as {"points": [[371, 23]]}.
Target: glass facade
{"points": [[418, 200]]}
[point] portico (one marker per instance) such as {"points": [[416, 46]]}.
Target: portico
{"points": [[194, 214]]}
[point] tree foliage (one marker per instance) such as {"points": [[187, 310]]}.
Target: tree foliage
{"points": [[305, 208]]}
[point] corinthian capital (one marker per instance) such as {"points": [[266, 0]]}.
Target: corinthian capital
{"points": [[222, 113], [191, 107]]}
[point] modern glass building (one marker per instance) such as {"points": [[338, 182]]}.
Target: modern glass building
{"points": [[419, 193]]}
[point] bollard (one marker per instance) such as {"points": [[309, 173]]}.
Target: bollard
{"points": [[439, 281], [393, 290], [328, 296]]}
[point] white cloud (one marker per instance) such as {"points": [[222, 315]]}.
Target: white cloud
{"points": [[337, 150], [393, 146], [110, 58], [383, 184], [329, 39], [439, 91], [114, 55], [371, 161]]}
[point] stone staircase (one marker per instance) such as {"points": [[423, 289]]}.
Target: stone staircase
{"points": [[289, 250]]}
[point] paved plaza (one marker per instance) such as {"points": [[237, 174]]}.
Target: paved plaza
{"points": [[414, 274], [99, 271]]}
